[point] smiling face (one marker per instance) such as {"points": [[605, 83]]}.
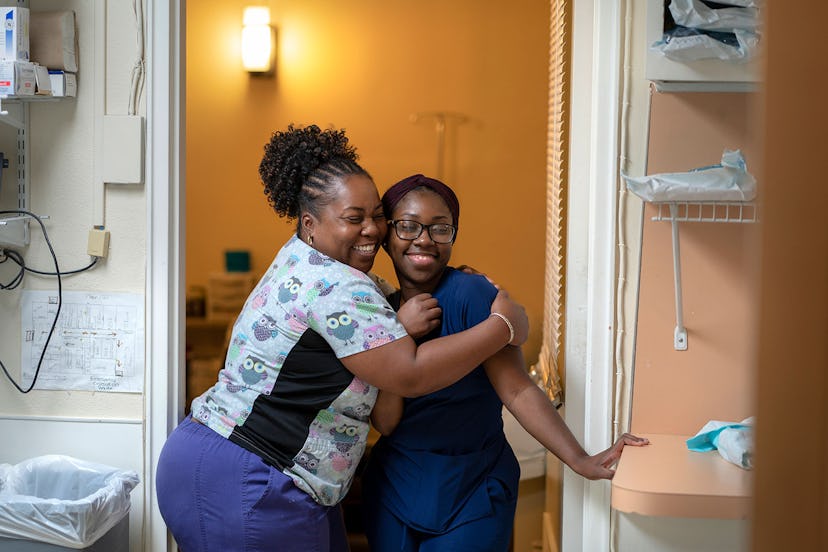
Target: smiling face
{"points": [[351, 226], [419, 263]]}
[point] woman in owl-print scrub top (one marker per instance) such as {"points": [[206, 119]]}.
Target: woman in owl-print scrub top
{"points": [[270, 450], [443, 476]]}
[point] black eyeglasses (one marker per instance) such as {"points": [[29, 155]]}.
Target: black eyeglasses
{"points": [[411, 230]]}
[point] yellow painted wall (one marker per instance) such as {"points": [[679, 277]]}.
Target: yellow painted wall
{"points": [[368, 66]]}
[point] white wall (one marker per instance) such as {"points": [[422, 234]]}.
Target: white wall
{"points": [[667, 534], [65, 157]]}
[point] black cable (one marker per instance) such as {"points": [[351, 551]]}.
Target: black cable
{"points": [[92, 263], [60, 301], [43, 273], [6, 255]]}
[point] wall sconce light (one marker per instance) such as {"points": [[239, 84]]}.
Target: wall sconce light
{"points": [[258, 41]]}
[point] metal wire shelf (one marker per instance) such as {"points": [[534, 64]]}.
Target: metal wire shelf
{"points": [[707, 211]]}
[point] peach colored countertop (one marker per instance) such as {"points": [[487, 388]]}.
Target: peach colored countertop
{"points": [[666, 479]]}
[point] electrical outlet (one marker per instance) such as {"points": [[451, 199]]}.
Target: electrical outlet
{"points": [[98, 245]]}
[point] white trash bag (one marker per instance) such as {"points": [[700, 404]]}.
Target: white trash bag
{"points": [[61, 500]]}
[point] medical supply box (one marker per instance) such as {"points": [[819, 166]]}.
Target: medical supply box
{"points": [[63, 83], [14, 40], [17, 78]]}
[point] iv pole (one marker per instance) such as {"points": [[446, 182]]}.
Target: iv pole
{"points": [[440, 118]]}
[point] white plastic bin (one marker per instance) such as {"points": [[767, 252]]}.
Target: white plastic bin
{"points": [[56, 503]]}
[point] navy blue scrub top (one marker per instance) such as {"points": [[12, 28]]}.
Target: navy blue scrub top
{"points": [[431, 471]]}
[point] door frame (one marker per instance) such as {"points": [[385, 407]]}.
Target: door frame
{"points": [[590, 262], [164, 386], [590, 253]]}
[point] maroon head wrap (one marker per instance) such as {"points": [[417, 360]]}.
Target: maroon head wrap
{"points": [[395, 193]]}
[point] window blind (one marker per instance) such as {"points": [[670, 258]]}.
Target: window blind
{"points": [[550, 361]]}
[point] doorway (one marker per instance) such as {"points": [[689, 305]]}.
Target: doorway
{"points": [[456, 90]]}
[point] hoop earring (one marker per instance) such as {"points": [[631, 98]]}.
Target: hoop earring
{"points": [[310, 240]]}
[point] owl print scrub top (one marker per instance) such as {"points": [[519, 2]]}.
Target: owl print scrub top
{"points": [[283, 394]]}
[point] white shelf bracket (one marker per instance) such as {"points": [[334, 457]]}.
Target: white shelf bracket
{"points": [[680, 333], [12, 118], [697, 211]]}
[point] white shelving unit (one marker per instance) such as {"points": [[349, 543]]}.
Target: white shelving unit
{"points": [[675, 212], [708, 75], [14, 112]]}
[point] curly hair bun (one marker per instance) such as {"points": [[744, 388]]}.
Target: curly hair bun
{"points": [[291, 158]]}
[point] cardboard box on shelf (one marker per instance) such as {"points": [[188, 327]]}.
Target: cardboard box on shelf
{"points": [[43, 83], [53, 41], [17, 78], [227, 292], [63, 83]]}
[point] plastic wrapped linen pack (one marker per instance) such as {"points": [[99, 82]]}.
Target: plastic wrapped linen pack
{"points": [[734, 441], [697, 15], [727, 181], [741, 3], [735, 444], [686, 44], [728, 33], [61, 500]]}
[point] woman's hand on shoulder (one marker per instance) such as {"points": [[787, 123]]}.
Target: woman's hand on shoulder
{"points": [[471, 270], [420, 315]]}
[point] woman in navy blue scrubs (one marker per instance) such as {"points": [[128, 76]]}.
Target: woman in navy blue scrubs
{"points": [[443, 477]]}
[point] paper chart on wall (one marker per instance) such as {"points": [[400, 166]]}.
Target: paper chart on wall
{"points": [[97, 345]]}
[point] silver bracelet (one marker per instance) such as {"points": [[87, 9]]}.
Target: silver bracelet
{"points": [[509, 324]]}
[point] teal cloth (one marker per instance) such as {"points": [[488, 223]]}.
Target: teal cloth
{"points": [[708, 438]]}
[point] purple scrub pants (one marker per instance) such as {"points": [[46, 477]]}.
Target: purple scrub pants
{"points": [[216, 496]]}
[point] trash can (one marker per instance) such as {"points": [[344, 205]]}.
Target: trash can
{"points": [[57, 503]]}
